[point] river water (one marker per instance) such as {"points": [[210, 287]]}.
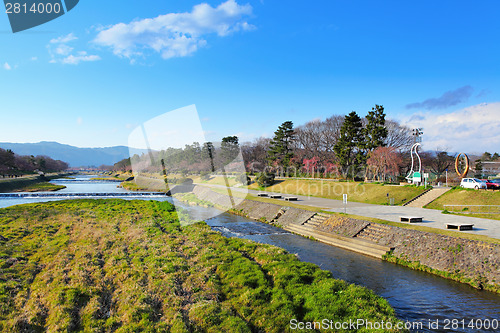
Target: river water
{"points": [[417, 297]]}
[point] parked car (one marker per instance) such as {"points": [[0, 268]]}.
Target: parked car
{"points": [[493, 184], [473, 183]]}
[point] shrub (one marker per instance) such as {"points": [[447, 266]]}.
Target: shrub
{"points": [[265, 179], [243, 179], [205, 175], [183, 181]]}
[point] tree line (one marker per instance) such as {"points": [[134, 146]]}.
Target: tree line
{"points": [[196, 158], [14, 165], [346, 147], [339, 146]]}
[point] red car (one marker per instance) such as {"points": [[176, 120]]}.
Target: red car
{"points": [[493, 184]]}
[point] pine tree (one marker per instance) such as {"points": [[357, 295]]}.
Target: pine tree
{"points": [[375, 131], [280, 147], [230, 148], [349, 146], [208, 153]]}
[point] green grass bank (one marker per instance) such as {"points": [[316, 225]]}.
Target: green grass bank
{"points": [[471, 200], [30, 184], [359, 192]]}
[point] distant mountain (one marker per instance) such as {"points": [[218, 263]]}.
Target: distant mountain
{"points": [[75, 156]]}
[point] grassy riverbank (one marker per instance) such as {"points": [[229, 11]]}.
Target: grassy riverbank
{"points": [[469, 201], [478, 282], [30, 184], [40, 187], [356, 191], [128, 266]]}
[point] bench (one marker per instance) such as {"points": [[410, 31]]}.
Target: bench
{"points": [[460, 227], [274, 196], [291, 199], [411, 219], [262, 194]]}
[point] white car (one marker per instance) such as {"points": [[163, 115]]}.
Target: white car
{"points": [[473, 183]]}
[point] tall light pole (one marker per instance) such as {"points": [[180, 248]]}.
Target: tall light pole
{"points": [[417, 133]]}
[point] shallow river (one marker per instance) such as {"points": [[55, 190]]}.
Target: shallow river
{"points": [[416, 296]]}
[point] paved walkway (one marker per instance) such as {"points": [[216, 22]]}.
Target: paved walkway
{"points": [[431, 217]]}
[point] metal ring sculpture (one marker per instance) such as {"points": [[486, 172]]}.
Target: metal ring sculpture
{"points": [[467, 165]]}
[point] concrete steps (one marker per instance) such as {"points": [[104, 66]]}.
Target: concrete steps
{"points": [[352, 244], [316, 220], [427, 197], [373, 232]]}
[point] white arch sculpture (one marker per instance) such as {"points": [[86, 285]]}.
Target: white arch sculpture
{"points": [[414, 150]]}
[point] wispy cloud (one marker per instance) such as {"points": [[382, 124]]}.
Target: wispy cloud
{"points": [[175, 34], [81, 56], [473, 129], [64, 39], [6, 66], [61, 52], [449, 98], [483, 93]]}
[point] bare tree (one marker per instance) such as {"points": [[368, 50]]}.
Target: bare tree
{"points": [[317, 138], [308, 138], [439, 161], [255, 153], [398, 136], [331, 130]]}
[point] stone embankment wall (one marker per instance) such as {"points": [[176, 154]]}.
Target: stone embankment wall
{"points": [[261, 211], [470, 261], [474, 262]]}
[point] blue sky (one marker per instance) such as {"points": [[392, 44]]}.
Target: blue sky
{"points": [[91, 76]]}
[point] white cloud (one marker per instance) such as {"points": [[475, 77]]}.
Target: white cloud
{"points": [[63, 49], [60, 52], [34, 58], [7, 67], [81, 56], [175, 34], [79, 120], [473, 129]]}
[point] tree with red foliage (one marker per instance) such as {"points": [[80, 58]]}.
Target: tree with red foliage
{"points": [[311, 165], [383, 161]]}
